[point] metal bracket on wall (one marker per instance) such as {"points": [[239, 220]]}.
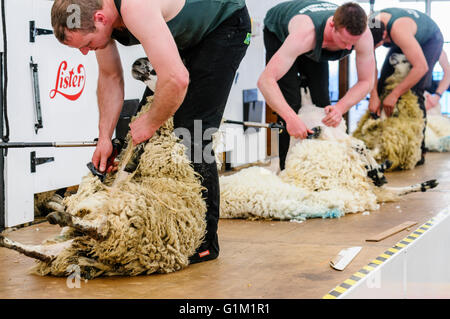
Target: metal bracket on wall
{"points": [[34, 32], [38, 161], [37, 97]]}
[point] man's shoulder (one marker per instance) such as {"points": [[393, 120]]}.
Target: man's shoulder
{"points": [[301, 24], [302, 31], [403, 28], [365, 43]]}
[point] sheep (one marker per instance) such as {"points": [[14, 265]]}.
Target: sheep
{"points": [[46, 202], [437, 132], [326, 177], [396, 138], [151, 221]]}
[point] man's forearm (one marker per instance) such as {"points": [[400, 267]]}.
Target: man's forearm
{"points": [[413, 77], [444, 83], [110, 95], [168, 97], [274, 98], [354, 95]]}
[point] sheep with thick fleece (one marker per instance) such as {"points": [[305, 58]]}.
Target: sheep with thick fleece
{"points": [[437, 132], [396, 138], [152, 221], [325, 177]]}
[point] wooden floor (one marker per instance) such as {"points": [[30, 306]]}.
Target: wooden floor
{"points": [[259, 259]]}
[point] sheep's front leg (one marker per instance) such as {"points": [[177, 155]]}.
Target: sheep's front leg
{"points": [[45, 253], [97, 229], [374, 171], [420, 187]]}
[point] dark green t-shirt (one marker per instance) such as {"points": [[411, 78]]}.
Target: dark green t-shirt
{"points": [[426, 27], [195, 20], [278, 18]]}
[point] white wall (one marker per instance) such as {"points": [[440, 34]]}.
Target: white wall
{"points": [[247, 148], [419, 270], [63, 119]]}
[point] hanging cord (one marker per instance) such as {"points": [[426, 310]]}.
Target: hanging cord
{"points": [[5, 137]]}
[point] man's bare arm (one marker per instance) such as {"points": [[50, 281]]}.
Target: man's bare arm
{"points": [[110, 93], [144, 19], [365, 66], [445, 65], [374, 101], [433, 100], [402, 34], [301, 39]]}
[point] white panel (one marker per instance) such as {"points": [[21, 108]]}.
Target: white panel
{"points": [[18, 188], [420, 270], [428, 267], [248, 148], [64, 119], [384, 282], [18, 180]]}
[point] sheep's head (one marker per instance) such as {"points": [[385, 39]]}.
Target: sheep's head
{"points": [[143, 70], [400, 64]]}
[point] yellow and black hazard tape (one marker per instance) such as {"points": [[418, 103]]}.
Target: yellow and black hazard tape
{"points": [[363, 272]]}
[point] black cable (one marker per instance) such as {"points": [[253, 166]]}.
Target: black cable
{"points": [[5, 137]]}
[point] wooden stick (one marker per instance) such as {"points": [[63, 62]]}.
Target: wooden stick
{"points": [[392, 231]]}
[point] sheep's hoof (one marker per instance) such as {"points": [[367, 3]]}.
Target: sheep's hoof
{"points": [[386, 165], [60, 218], [377, 176], [55, 206], [429, 185], [316, 132]]}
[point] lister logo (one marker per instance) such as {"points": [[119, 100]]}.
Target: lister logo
{"points": [[69, 82]]}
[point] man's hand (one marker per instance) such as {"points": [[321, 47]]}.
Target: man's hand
{"points": [[333, 116], [389, 103], [431, 101], [296, 128], [374, 105], [102, 153], [141, 129]]}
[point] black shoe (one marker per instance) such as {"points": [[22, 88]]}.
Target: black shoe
{"points": [[422, 161], [203, 254]]}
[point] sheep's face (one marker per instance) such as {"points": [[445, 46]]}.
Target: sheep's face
{"points": [[143, 70], [400, 64]]}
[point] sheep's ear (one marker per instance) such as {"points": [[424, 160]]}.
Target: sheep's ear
{"points": [[394, 59]]}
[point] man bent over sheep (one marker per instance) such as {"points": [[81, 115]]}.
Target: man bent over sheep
{"points": [[211, 37], [300, 37], [418, 37]]}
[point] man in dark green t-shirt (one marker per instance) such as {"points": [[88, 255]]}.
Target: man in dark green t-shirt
{"points": [[300, 37], [211, 37], [419, 38]]}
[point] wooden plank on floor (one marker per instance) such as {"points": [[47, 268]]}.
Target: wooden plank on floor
{"points": [[391, 231]]}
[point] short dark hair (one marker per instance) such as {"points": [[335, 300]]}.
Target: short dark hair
{"points": [[352, 17], [377, 27], [61, 12]]}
